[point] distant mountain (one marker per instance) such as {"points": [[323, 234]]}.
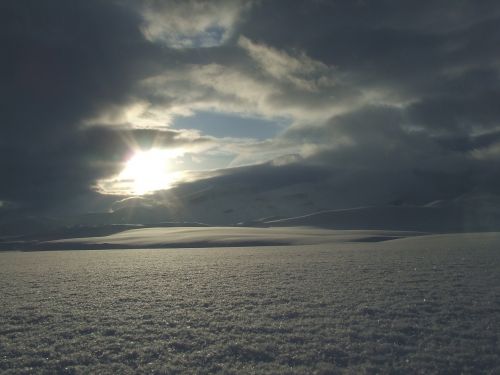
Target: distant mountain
{"points": [[452, 216], [287, 206]]}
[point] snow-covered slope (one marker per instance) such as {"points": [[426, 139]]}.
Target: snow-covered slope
{"points": [[432, 218], [215, 207], [223, 236]]}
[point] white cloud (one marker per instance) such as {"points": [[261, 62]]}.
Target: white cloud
{"points": [[298, 93], [212, 87], [259, 81], [490, 153], [262, 81], [299, 70], [192, 23], [138, 114]]}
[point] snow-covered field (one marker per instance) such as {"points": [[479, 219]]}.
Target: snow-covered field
{"points": [[427, 304]]}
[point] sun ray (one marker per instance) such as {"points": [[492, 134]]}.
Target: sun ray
{"points": [[148, 171]]}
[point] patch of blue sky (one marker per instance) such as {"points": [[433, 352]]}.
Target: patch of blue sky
{"points": [[211, 37], [222, 125]]}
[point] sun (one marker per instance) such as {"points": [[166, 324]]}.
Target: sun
{"points": [[150, 170]]}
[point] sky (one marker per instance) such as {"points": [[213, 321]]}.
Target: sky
{"points": [[285, 106]]}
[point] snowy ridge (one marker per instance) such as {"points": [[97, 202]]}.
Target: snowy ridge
{"points": [[223, 237]]}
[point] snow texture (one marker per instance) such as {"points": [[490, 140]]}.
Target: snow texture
{"points": [[427, 304]]}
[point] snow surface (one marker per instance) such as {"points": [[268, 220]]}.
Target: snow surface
{"points": [[428, 304], [226, 236]]}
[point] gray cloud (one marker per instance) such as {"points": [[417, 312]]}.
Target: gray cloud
{"points": [[387, 100]]}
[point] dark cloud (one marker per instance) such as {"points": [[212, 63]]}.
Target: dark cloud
{"points": [[390, 44], [67, 172], [388, 100], [62, 62], [433, 65], [463, 104], [383, 154]]}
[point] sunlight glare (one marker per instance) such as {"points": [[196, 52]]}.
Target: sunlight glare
{"points": [[150, 170]]}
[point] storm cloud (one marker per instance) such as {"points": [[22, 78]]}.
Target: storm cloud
{"points": [[375, 101]]}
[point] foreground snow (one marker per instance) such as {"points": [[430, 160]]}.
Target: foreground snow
{"points": [[428, 304]]}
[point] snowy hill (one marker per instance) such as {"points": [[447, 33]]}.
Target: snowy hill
{"points": [[222, 237], [432, 218]]}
